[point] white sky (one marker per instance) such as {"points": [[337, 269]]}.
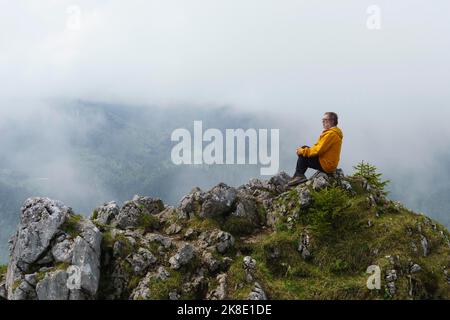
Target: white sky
{"points": [[255, 54]]}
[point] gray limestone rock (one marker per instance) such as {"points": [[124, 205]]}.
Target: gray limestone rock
{"points": [[141, 260], [107, 212], [182, 257], [257, 293], [40, 223], [130, 215], [220, 292], [218, 201], [304, 246], [53, 286]]}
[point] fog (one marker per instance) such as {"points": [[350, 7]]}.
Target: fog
{"points": [[282, 64]]}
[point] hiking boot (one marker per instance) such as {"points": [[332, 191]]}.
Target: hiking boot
{"points": [[297, 180]]}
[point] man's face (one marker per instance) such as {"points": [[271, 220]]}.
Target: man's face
{"points": [[326, 122]]}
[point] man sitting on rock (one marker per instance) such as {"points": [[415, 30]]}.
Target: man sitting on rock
{"points": [[324, 155]]}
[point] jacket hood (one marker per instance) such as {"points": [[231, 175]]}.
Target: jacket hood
{"points": [[337, 131]]}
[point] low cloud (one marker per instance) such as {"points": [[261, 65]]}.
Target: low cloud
{"points": [[287, 61]]}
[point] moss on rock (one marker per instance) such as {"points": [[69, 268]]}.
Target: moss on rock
{"points": [[72, 225]]}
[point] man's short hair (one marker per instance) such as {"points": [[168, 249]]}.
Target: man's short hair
{"points": [[333, 117]]}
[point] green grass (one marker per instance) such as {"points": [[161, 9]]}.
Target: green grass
{"points": [[16, 284], [72, 225], [148, 222], [342, 247], [160, 289], [238, 226], [202, 224], [3, 270]]}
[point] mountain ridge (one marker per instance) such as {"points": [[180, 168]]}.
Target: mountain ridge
{"points": [[261, 240]]}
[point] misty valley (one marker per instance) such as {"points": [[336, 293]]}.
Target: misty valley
{"points": [[237, 146]]}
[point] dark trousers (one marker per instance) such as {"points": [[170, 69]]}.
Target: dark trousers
{"points": [[303, 163]]}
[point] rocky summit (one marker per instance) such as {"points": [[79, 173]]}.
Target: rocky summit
{"points": [[334, 237]]}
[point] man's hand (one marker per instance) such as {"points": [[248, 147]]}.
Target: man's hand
{"points": [[300, 150]]}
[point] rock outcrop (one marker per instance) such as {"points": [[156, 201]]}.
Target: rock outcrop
{"points": [[55, 254], [262, 240]]}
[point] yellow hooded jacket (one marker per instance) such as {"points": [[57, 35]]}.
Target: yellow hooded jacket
{"points": [[328, 148]]}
